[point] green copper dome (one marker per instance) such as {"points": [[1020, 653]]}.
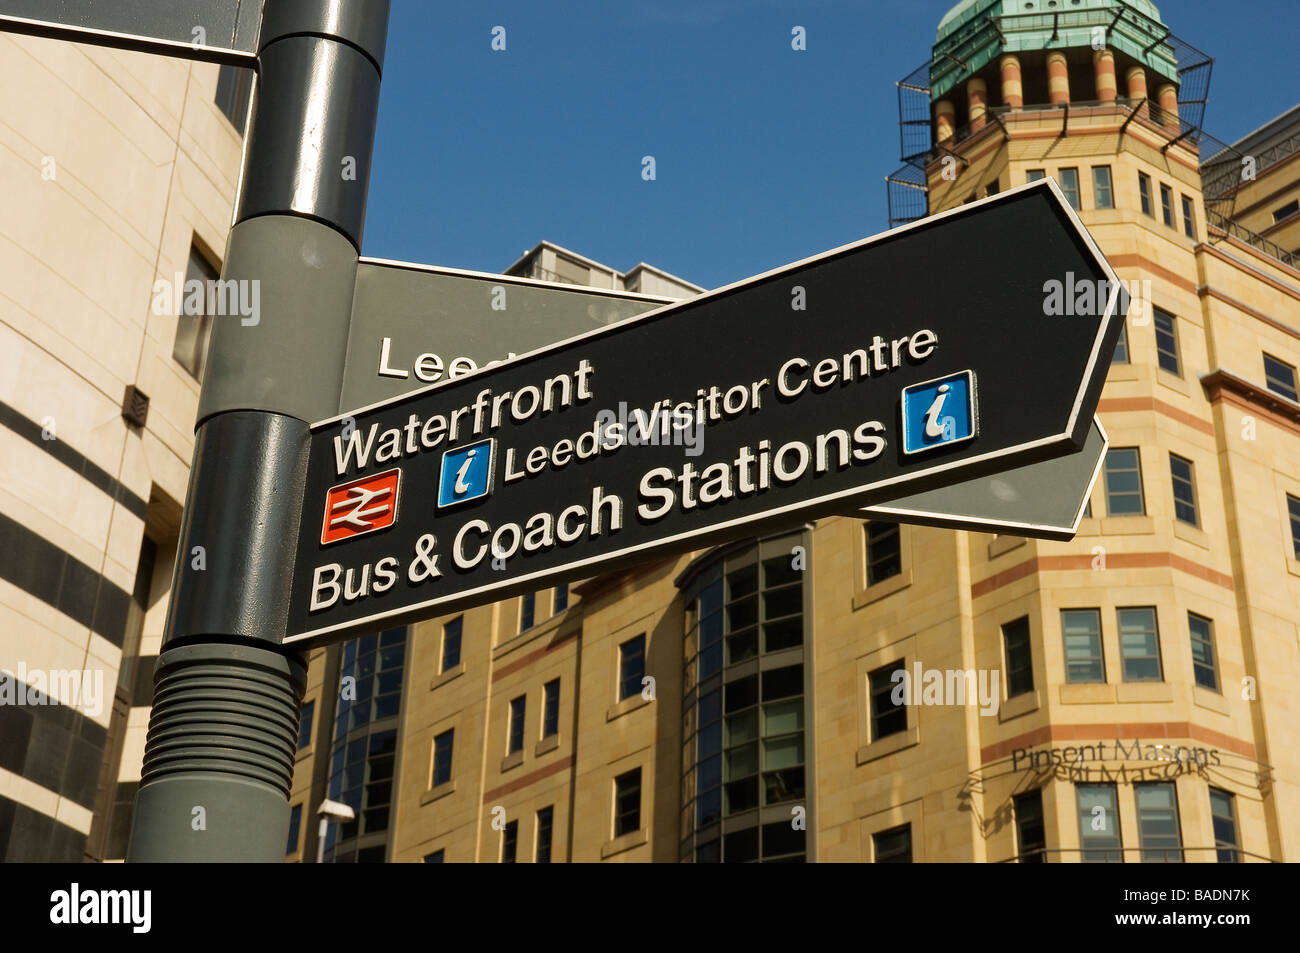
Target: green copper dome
{"points": [[967, 41]]}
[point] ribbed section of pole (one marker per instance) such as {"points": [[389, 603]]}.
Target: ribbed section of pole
{"points": [[219, 758]]}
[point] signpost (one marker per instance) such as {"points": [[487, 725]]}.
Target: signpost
{"points": [[849, 379], [853, 379]]}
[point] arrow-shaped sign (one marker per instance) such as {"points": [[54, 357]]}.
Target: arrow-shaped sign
{"points": [[917, 359], [1044, 500], [220, 31]]}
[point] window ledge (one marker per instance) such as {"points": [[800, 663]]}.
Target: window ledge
{"points": [[512, 760], [535, 631], [1022, 704], [444, 677], [890, 744], [547, 744], [631, 703], [303, 753], [1191, 534], [1087, 693], [626, 842], [1001, 545], [439, 792], [1293, 565], [1123, 372], [1128, 525], [1175, 383], [1204, 698], [864, 597], [1144, 692]]}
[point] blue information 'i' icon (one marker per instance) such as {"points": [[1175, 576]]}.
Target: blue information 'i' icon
{"points": [[939, 413], [466, 473]]}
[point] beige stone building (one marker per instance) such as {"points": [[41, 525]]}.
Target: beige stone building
{"points": [[1129, 695], [120, 171]]}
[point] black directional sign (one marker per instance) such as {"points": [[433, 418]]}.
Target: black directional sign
{"points": [[216, 30], [920, 358]]}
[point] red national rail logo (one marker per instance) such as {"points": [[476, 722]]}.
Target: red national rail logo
{"points": [[359, 507]]}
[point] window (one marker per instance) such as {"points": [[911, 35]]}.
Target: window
{"points": [[1224, 816], [631, 667], [1070, 186], [442, 757], [1102, 193], [1098, 824], [1087, 510], [886, 717], [781, 725], [1293, 510], [991, 188], [884, 551], [627, 802], [1279, 376], [295, 825], [893, 846], [1144, 192], [561, 598], [1139, 645], [437, 857], [234, 86], [1184, 480], [1020, 670], [194, 331], [1081, 629], [551, 708], [527, 609], [1286, 211], [743, 744], [1157, 810], [1033, 175], [305, 725], [517, 709], [1031, 839], [1166, 341], [1167, 204], [545, 824], [510, 842], [1202, 633], [451, 633], [1124, 482], [1189, 218], [1120, 356]]}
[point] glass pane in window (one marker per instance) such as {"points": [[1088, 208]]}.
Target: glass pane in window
{"points": [[785, 634], [782, 717], [783, 682], [742, 727], [743, 761], [783, 752], [742, 846], [741, 646]]}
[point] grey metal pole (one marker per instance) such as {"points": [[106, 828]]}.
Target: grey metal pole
{"points": [[219, 757]]}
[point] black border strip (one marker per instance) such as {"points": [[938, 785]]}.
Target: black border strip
{"points": [[73, 460]]}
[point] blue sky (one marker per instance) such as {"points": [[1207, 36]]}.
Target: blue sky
{"points": [[763, 155]]}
